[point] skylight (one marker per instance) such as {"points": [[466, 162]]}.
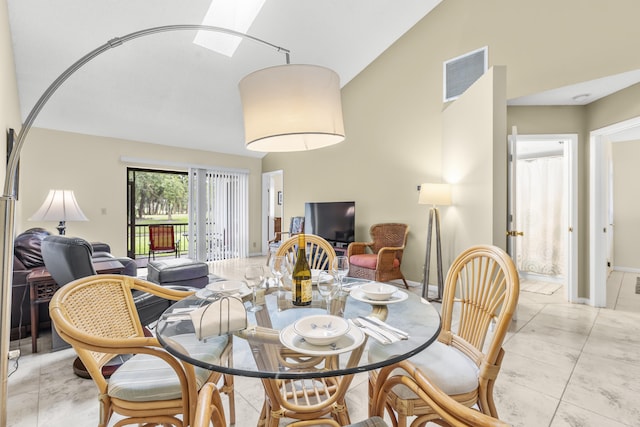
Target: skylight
{"points": [[231, 14]]}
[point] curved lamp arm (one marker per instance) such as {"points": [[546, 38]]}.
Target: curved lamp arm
{"points": [[115, 42], [7, 201]]}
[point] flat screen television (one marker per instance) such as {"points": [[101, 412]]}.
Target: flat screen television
{"points": [[333, 221]]}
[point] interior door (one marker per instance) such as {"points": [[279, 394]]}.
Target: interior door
{"points": [[513, 234], [542, 214]]}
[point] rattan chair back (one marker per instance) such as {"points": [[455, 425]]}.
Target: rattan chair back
{"points": [[319, 252]]}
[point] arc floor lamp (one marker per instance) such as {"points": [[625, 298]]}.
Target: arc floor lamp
{"points": [[285, 108]]}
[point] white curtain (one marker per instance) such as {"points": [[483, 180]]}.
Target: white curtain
{"points": [[540, 212], [218, 214]]}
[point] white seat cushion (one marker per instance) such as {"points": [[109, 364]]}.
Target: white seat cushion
{"points": [[446, 366], [145, 378]]}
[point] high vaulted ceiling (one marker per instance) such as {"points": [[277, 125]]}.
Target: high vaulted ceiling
{"points": [[165, 89]]}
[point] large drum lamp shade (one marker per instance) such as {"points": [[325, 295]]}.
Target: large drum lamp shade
{"points": [[291, 108]]}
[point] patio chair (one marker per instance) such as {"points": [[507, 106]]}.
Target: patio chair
{"points": [[162, 240]]}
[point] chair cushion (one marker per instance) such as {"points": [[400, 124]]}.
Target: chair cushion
{"points": [[369, 261], [446, 366], [145, 378]]}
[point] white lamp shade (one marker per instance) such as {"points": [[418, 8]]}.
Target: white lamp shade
{"points": [[291, 108], [60, 205], [435, 194]]}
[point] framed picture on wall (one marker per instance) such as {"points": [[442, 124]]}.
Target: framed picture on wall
{"points": [[279, 197], [10, 142]]}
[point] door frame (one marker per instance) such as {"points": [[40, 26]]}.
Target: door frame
{"points": [[599, 180], [570, 156], [268, 198]]}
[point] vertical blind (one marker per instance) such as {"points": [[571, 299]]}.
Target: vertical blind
{"points": [[218, 214]]}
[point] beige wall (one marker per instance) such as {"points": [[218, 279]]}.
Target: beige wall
{"points": [[393, 109], [92, 167], [9, 104], [626, 205], [393, 114], [474, 163]]}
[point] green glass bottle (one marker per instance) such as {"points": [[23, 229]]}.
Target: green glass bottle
{"points": [[301, 291]]}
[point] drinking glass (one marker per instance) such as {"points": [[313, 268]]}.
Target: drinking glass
{"points": [[327, 287], [254, 275], [277, 268], [340, 268]]}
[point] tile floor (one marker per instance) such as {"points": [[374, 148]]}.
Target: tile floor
{"points": [[566, 365]]}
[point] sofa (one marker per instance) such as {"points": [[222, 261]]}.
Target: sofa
{"points": [[27, 257]]}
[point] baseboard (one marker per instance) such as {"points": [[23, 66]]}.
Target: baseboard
{"points": [[626, 269]]}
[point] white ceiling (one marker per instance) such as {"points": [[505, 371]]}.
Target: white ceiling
{"points": [[164, 89]]}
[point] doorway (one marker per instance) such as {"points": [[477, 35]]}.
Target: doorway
{"points": [[600, 222], [272, 206], [157, 197], [542, 211]]}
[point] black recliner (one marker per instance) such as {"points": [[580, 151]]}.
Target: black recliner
{"points": [[71, 258]]}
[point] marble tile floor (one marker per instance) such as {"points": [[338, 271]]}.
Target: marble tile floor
{"points": [[565, 365]]}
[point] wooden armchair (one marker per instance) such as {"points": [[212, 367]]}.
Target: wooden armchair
{"points": [[97, 316], [483, 286], [381, 258]]}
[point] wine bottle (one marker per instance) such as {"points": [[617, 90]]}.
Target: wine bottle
{"points": [[301, 277]]}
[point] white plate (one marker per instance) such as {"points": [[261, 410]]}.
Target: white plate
{"points": [[205, 293], [347, 342], [226, 287], [397, 296]]}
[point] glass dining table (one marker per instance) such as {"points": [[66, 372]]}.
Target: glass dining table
{"points": [[268, 348]]}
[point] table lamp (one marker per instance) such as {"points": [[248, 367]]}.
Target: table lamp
{"points": [[434, 195], [60, 205]]}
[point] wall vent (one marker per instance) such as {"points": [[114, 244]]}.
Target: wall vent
{"points": [[463, 71]]}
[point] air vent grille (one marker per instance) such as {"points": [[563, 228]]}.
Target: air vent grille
{"points": [[463, 71]]}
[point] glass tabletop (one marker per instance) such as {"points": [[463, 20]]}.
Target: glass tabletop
{"points": [[269, 348]]}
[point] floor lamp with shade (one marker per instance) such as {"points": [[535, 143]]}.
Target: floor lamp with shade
{"points": [[434, 195], [280, 111]]}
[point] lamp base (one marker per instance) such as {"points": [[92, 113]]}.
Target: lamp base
{"points": [[434, 216], [61, 228]]}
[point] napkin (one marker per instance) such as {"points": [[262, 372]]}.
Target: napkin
{"points": [[224, 315]]}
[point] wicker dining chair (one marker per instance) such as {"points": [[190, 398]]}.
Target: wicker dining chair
{"points": [[481, 294], [305, 399], [448, 410], [97, 316], [320, 253], [381, 258]]}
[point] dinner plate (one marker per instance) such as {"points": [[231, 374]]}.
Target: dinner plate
{"points": [[397, 296], [347, 342]]}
